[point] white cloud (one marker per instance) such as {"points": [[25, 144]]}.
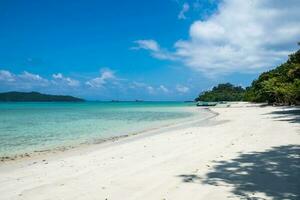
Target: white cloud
{"points": [[31, 77], [242, 36], [25, 80], [6, 76], [57, 76], [163, 88], [185, 8], [72, 82], [154, 48], [139, 85], [29, 80], [182, 89], [135, 85], [150, 89], [61, 79], [106, 76], [147, 44]]}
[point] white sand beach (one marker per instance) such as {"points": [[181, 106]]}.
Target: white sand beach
{"points": [[245, 152]]}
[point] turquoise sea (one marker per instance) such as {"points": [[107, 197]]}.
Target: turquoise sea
{"points": [[29, 127]]}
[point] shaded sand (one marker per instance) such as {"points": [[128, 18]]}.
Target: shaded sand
{"points": [[245, 152]]}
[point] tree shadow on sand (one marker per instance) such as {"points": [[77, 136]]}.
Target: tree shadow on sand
{"points": [[275, 173], [291, 115]]}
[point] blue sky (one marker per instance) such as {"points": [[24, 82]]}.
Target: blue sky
{"points": [[151, 50]]}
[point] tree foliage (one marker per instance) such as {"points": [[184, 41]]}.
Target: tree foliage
{"points": [[278, 86], [222, 92]]}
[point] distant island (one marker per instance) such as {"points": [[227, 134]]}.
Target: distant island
{"points": [[222, 92], [36, 97]]}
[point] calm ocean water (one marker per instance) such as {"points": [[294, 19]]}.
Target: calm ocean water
{"points": [[28, 127]]}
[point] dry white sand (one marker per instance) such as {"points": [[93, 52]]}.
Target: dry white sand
{"points": [[245, 152]]}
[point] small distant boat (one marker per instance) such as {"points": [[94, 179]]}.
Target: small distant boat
{"points": [[204, 103]]}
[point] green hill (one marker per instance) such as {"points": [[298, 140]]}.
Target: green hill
{"points": [[35, 97], [222, 92]]}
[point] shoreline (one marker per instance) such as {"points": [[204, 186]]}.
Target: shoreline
{"points": [[245, 145], [101, 141]]}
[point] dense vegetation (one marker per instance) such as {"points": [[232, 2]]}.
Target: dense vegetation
{"points": [[223, 92], [279, 86], [35, 96]]}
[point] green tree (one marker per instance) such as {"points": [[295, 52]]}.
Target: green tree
{"points": [[280, 85], [222, 92]]}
